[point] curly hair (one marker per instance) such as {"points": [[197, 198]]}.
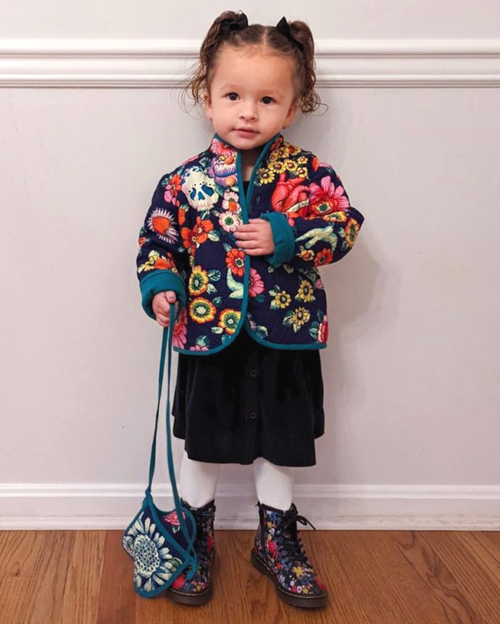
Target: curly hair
{"points": [[272, 39]]}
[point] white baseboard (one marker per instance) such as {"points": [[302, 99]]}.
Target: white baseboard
{"points": [[331, 507]]}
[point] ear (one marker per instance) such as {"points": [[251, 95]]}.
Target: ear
{"points": [[290, 116], [207, 102]]}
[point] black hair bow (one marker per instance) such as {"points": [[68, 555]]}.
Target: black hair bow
{"points": [[285, 28], [234, 23]]}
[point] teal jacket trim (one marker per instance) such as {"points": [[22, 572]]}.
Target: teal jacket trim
{"points": [[284, 240], [157, 281]]}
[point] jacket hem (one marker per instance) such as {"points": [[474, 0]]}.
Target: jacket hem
{"points": [[246, 327]]}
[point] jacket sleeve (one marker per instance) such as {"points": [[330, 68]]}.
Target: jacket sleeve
{"points": [[163, 259], [321, 233]]}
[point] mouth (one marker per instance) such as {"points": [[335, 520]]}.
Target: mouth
{"points": [[246, 131]]}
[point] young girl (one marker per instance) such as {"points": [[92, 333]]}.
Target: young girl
{"points": [[235, 236]]}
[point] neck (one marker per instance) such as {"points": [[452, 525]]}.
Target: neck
{"points": [[248, 160]]}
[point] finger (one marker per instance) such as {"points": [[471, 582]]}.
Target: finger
{"points": [[162, 308], [164, 318], [258, 251], [249, 244], [247, 228]]}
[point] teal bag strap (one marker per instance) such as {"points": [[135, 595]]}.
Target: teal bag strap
{"points": [[167, 342]]}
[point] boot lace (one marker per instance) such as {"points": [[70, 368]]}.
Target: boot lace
{"points": [[293, 547]]}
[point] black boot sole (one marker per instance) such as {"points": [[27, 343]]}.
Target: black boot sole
{"points": [[189, 599], [291, 599], [199, 598]]}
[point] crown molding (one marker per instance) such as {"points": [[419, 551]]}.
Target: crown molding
{"points": [[146, 64]]}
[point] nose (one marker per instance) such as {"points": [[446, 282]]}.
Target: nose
{"points": [[248, 111]]}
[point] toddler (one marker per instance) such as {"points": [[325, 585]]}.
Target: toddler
{"points": [[235, 237]]}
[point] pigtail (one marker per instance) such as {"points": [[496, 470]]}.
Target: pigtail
{"points": [[295, 39], [310, 100]]}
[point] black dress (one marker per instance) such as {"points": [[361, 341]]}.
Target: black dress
{"points": [[250, 400]]}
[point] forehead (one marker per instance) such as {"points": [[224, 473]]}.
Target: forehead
{"points": [[252, 68]]}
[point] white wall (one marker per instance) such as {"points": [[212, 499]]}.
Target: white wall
{"points": [[411, 371]]}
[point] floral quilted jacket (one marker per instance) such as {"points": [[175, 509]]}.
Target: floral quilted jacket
{"points": [[187, 245]]}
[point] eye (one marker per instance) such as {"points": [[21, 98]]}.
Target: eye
{"points": [[268, 97], [229, 95]]}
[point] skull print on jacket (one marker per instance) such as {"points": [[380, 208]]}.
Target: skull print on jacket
{"points": [[187, 244]]}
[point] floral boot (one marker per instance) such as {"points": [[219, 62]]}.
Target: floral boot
{"points": [[278, 552], [198, 590]]}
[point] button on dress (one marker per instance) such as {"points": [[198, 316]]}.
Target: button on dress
{"points": [[250, 400]]}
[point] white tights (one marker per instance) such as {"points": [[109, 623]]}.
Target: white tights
{"points": [[274, 484]]}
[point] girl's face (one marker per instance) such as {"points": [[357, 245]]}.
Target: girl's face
{"points": [[251, 96]]}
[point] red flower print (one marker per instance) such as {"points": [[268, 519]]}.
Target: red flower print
{"points": [[235, 260], [201, 229], [180, 330], [325, 256], [272, 548], [323, 330], [172, 188], [172, 518], [179, 581], [187, 239], [165, 263]]}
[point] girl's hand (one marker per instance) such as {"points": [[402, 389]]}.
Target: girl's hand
{"points": [[255, 238], [161, 306]]}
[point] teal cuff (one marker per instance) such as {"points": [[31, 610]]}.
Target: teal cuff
{"points": [[284, 240], [160, 280]]}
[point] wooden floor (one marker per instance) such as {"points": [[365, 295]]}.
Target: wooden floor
{"points": [[375, 577]]}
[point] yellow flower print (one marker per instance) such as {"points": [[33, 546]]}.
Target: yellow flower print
{"points": [[296, 318], [305, 292], [290, 165], [351, 232], [277, 166], [202, 310], [298, 571], [265, 176], [306, 254], [281, 299], [229, 320], [155, 261], [338, 217], [301, 172], [198, 281], [302, 160]]}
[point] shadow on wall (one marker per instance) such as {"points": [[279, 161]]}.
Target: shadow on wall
{"points": [[356, 303]]}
